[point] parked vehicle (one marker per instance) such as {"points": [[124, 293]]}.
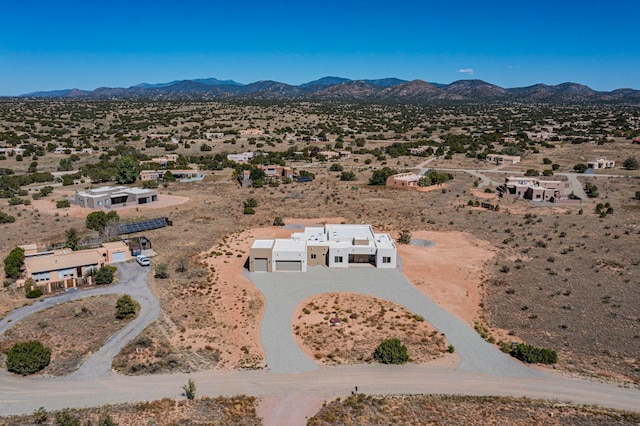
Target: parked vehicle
{"points": [[143, 260]]}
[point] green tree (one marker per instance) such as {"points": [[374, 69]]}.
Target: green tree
{"points": [[190, 389], [533, 355], [347, 176], [126, 307], [335, 167], [126, 170], [73, 240], [168, 176], [62, 204], [631, 163], [13, 263], [106, 275], [391, 351], [98, 220], [33, 167], [28, 357], [380, 176], [580, 168]]}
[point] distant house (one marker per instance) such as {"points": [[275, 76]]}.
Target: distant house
{"points": [[403, 180], [213, 135], [252, 132], [61, 269], [243, 157], [276, 172], [335, 246], [187, 174], [601, 163], [163, 161], [500, 159], [531, 188], [329, 154], [107, 197]]}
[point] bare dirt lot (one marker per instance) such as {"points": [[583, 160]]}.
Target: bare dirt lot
{"points": [[440, 409], [345, 328], [72, 330]]}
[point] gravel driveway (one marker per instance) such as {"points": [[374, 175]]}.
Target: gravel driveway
{"points": [[286, 290]]}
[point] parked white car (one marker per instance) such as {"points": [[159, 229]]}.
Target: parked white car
{"points": [[143, 260]]}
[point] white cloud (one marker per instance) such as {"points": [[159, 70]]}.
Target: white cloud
{"points": [[466, 71]]}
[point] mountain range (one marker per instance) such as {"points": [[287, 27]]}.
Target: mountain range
{"points": [[338, 88]]}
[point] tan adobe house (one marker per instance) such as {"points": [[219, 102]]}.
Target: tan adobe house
{"points": [[107, 197], [531, 188], [61, 269], [163, 161], [335, 246], [403, 180], [601, 163], [277, 172]]}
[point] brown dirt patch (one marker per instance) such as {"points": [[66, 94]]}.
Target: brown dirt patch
{"points": [[467, 410], [237, 410], [450, 272], [345, 328], [72, 330]]}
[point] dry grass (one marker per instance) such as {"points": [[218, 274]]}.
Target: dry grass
{"points": [[72, 330], [364, 322], [462, 410], [237, 410]]}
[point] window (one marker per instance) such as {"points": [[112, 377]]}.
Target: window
{"points": [[386, 259], [337, 259], [313, 256], [99, 203], [42, 276]]}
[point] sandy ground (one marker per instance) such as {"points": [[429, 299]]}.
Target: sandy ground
{"points": [[48, 205], [364, 322], [449, 272]]}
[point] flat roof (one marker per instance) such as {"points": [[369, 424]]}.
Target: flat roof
{"points": [[114, 245], [258, 244], [67, 259], [282, 244]]}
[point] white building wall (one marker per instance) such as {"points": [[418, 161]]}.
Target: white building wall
{"points": [[389, 252], [300, 256]]}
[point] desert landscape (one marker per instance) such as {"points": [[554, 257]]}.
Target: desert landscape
{"points": [[560, 277]]}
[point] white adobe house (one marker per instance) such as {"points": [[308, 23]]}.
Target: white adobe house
{"points": [[335, 246]]}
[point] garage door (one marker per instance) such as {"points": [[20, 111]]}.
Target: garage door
{"points": [[119, 257], [260, 265], [289, 265]]}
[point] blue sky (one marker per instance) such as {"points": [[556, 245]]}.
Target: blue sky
{"points": [[46, 45]]}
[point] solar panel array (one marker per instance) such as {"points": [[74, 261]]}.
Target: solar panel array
{"points": [[131, 228]]}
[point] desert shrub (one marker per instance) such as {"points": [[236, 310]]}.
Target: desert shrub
{"points": [[40, 416], [182, 265], [65, 418], [13, 263], [391, 351], [278, 221], [631, 163], [190, 389], [405, 237], [347, 176], [150, 184], [533, 355], [532, 172], [106, 274], [28, 357], [249, 210], [34, 293], [162, 271], [451, 349], [106, 420], [580, 168], [6, 218], [335, 167], [62, 204], [126, 307], [250, 202]]}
